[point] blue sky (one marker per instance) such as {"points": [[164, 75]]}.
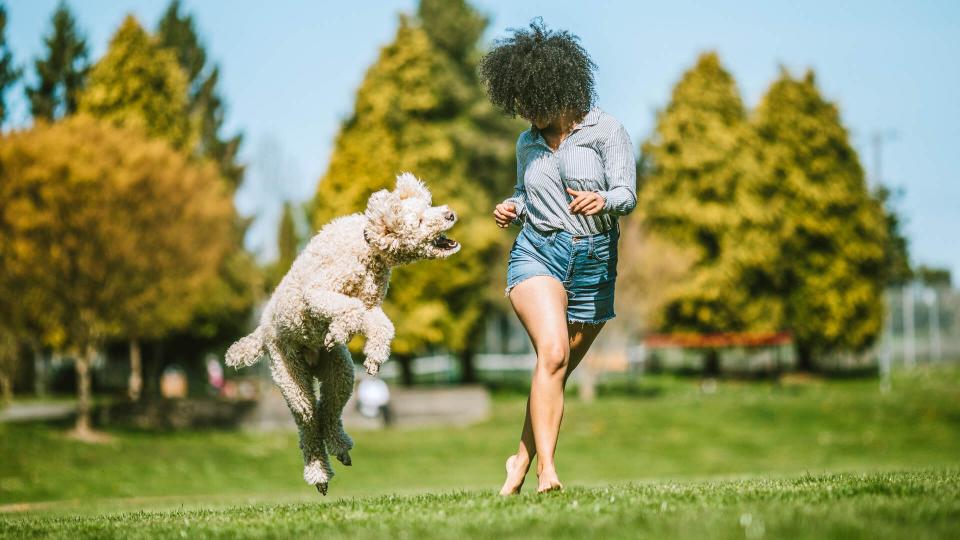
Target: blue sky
{"points": [[290, 71]]}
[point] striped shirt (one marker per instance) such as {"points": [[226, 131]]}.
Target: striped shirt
{"points": [[596, 156]]}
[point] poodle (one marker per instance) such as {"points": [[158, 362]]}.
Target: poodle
{"points": [[333, 290]]}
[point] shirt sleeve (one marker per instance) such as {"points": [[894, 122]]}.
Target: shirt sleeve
{"points": [[519, 197], [620, 168]]}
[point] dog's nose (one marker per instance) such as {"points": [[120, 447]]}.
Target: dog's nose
{"points": [[449, 215]]}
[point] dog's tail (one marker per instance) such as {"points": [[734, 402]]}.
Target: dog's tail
{"points": [[247, 350]]}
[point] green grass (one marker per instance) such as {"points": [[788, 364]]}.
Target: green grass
{"points": [[698, 464], [880, 505]]}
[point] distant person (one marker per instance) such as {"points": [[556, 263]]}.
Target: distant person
{"points": [[373, 399], [576, 174]]}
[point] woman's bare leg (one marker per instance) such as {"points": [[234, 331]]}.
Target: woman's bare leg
{"points": [[540, 302]]}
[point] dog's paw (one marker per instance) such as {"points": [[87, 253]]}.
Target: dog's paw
{"points": [[344, 457], [322, 488], [314, 473], [336, 334], [373, 367]]}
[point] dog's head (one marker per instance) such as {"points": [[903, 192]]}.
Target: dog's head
{"points": [[403, 223]]}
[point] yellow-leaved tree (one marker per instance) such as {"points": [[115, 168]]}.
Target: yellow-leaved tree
{"points": [[102, 228]]}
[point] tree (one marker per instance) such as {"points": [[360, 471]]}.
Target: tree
{"points": [[9, 74], [62, 73], [696, 161], [421, 109], [288, 242], [934, 277], [897, 252], [103, 229], [225, 313], [9, 361], [171, 268], [453, 27], [177, 32], [651, 272], [831, 233], [139, 84]]}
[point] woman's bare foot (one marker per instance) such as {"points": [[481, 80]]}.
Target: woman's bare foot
{"points": [[516, 472], [548, 480]]}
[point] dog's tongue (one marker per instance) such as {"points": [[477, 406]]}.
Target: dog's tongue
{"points": [[443, 242]]}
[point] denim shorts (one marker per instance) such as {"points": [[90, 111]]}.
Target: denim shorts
{"points": [[586, 266]]}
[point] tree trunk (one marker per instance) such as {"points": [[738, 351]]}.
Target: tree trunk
{"points": [[406, 370], [805, 359], [711, 363], [82, 364], [151, 388], [135, 385], [468, 374], [6, 389], [39, 371], [586, 382]]}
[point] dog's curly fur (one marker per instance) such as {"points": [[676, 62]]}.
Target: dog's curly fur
{"points": [[334, 290]]}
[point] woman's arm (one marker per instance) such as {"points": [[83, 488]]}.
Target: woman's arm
{"points": [[519, 197], [620, 168]]}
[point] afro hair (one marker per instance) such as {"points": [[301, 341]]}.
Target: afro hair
{"points": [[539, 73]]}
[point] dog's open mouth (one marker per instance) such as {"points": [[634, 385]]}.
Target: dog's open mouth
{"points": [[444, 243]]}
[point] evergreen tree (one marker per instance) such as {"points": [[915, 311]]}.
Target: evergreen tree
{"points": [[9, 74], [287, 239], [932, 276], [140, 84], [62, 73], [831, 233], [420, 109], [225, 313], [454, 27], [177, 32], [897, 253], [694, 165], [288, 243]]}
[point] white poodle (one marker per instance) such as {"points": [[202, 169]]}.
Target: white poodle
{"points": [[334, 290]]}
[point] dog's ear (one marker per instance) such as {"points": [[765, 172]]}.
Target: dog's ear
{"points": [[409, 186], [385, 216]]}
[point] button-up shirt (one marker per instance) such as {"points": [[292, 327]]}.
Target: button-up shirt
{"points": [[596, 156]]}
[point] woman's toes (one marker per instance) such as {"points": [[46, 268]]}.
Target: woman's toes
{"points": [[548, 481], [550, 486], [515, 476]]}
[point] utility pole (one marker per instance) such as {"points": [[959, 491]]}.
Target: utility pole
{"points": [[933, 323], [909, 327], [877, 140], [886, 349]]}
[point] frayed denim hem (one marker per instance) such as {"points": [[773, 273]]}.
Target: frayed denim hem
{"points": [[506, 292], [593, 322]]}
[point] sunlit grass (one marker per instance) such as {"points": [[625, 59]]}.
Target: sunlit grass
{"points": [[666, 433]]}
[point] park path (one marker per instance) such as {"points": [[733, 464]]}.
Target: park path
{"points": [[37, 411]]}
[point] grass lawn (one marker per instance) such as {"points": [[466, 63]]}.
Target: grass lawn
{"points": [[808, 458], [879, 505]]}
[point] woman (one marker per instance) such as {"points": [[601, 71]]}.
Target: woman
{"points": [[575, 175]]}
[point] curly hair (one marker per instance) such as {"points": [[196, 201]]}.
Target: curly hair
{"points": [[539, 73]]}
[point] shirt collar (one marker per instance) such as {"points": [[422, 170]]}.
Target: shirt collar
{"points": [[590, 119]]}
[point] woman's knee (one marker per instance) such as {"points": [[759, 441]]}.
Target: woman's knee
{"points": [[553, 357]]}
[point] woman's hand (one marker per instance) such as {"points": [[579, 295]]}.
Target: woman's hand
{"points": [[505, 213], [587, 203]]}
